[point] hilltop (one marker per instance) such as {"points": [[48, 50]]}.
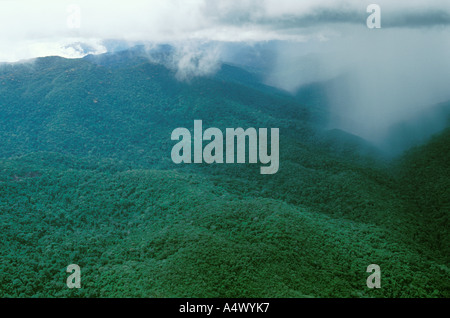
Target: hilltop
{"points": [[86, 178]]}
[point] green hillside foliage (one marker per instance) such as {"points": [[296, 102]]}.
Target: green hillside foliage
{"points": [[424, 174], [86, 177]]}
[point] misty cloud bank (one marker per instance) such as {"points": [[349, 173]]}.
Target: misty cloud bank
{"points": [[190, 61], [384, 75], [26, 23]]}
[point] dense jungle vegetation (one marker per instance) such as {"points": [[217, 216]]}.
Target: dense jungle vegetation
{"points": [[86, 177]]}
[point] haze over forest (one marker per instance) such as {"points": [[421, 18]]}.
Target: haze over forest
{"points": [[391, 74], [91, 92]]}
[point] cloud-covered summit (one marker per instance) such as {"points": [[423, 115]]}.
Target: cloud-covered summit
{"points": [[23, 23], [390, 72]]}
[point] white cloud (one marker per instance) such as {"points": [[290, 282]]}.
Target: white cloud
{"points": [[394, 70], [24, 23]]}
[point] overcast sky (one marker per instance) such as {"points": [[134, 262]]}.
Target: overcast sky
{"points": [[394, 70], [34, 28]]}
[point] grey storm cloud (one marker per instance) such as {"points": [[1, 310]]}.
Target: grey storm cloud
{"points": [[391, 72], [323, 16], [394, 14], [30, 28], [426, 18], [318, 17]]}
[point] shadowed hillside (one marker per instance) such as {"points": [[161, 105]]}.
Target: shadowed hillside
{"points": [[86, 177]]}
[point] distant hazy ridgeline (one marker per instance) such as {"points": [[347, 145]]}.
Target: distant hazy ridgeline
{"points": [[86, 177]]}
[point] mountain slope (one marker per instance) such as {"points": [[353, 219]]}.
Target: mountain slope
{"points": [[148, 233], [86, 177], [424, 174]]}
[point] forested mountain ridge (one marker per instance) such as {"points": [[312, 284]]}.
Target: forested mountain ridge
{"points": [[86, 178]]}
